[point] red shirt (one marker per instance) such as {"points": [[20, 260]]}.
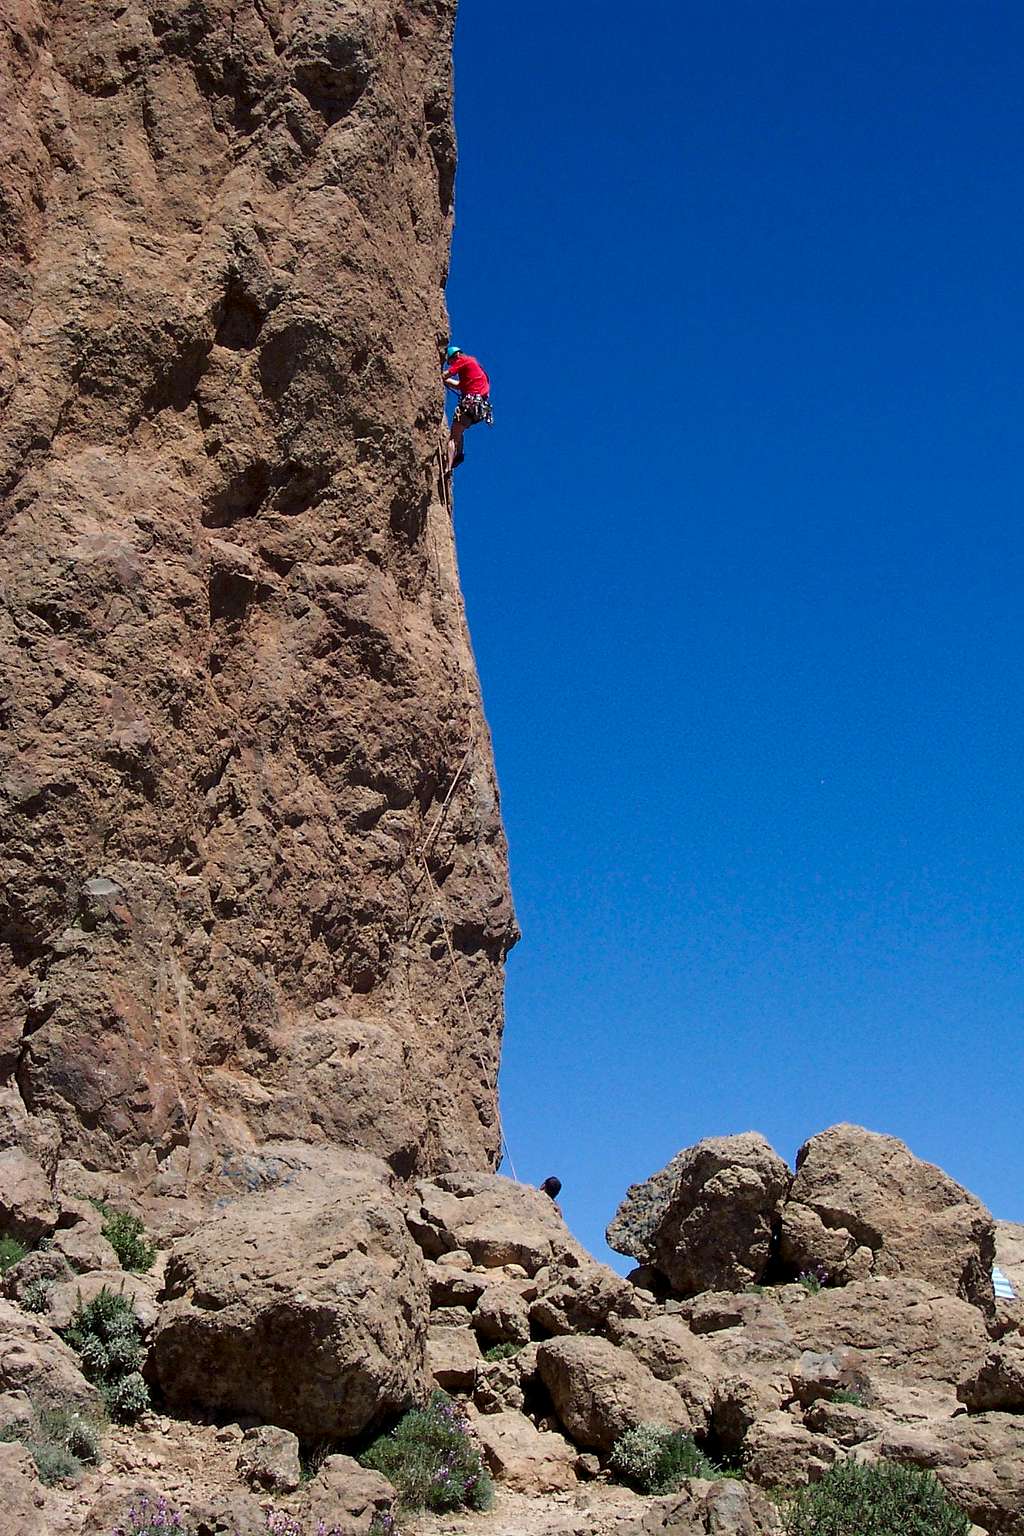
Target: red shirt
{"points": [[471, 377]]}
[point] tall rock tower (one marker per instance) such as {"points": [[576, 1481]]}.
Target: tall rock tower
{"points": [[253, 879]]}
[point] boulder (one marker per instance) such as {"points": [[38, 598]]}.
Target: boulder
{"points": [[863, 1204], [582, 1298], [997, 1381], [599, 1390], [725, 1508], [738, 1403], [269, 1459], [349, 1496], [906, 1328], [494, 1220], [85, 1248], [823, 1373], [502, 1316], [705, 1221], [453, 1356], [35, 1361], [502, 1384], [23, 1499], [37, 1270], [779, 1452], [303, 1307], [27, 1208], [672, 1353], [524, 1457]]}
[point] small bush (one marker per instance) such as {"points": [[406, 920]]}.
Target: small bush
{"points": [[59, 1439], [846, 1395], [813, 1280], [127, 1236], [502, 1351], [431, 1459], [11, 1251], [654, 1459], [108, 1337], [33, 1297], [879, 1500], [151, 1518]]}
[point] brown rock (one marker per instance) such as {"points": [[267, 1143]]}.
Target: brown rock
{"points": [[238, 691], [347, 1495], [673, 1353], [27, 1208], [905, 1327], [269, 1459], [864, 1200], [599, 1391], [35, 1361], [494, 1220], [502, 1384], [820, 1374], [502, 1316], [24, 1503], [705, 1221], [305, 1307], [582, 1298], [726, 1508], [997, 1382], [778, 1452], [85, 1248], [453, 1356], [523, 1457], [739, 1402]]}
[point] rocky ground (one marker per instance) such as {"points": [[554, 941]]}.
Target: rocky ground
{"points": [[785, 1322]]}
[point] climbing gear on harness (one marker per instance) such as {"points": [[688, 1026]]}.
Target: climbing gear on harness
{"points": [[475, 408]]}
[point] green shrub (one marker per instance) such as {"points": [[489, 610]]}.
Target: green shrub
{"points": [[503, 1351], [11, 1250], [127, 1236], [654, 1459], [33, 1297], [846, 1395], [431, 1459], [879, 1500], [108, 1338], [59, 1439]]}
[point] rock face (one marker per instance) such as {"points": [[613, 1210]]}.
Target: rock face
{"points": [[863, 1204], [706, 1220], [303, 1306], [237, 691]]}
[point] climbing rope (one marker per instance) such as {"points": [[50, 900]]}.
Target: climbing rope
{"points": [[435, 826]]}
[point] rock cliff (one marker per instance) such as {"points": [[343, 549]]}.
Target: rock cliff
{"points": [[238, 697]]}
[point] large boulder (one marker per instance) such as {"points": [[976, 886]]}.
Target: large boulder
{"points": [[705, 1222], [726, 1508], [524, 1457], [22, 1500], [862, 1204], [304, 1307], [35, 1361], [997, 1381], [599, 1391], [496, 1221]]}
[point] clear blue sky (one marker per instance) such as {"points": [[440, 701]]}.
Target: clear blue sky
{"points": [[743, 566]]}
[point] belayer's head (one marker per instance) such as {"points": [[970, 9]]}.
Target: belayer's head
{"points": [[452, 352]]}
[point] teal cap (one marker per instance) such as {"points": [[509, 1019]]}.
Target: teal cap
{"points": [[453, 352]]}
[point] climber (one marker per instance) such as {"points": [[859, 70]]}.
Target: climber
{"points": [[552, 1187], [464, 373]]}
